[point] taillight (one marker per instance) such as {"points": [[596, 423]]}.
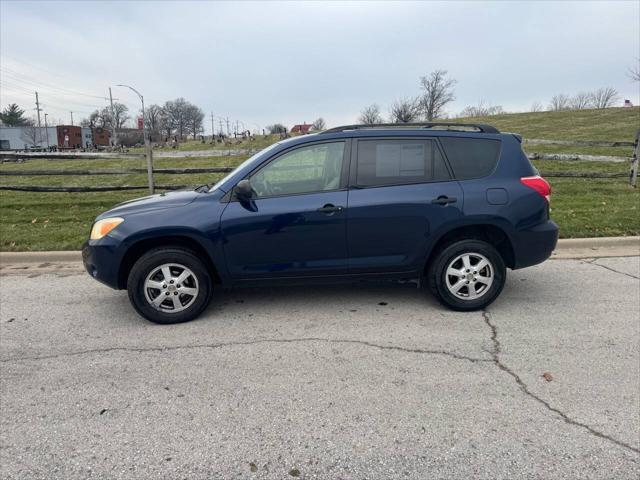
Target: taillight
{"points": [[539, 184]]}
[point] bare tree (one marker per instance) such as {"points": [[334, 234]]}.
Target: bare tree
{"points": [[155, 119], [102, 118], [120, 115], [370, 115], [559, 102], [604, 97], [405, 110], [438, 92], [176, 116], [32, 135], [580, 101], [319, 124], [481, 110], [276, 128], [536, 107], [194, 117]]}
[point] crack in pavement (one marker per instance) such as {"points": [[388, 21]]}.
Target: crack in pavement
{"points": [[252, 342], [495, 353], [593, 262]]}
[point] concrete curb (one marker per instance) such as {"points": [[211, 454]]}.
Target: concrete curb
{"points": [[567, 248], [10, 258]]}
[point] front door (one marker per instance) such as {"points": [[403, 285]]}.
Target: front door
{"points": [[295, 224], [401, 192]]}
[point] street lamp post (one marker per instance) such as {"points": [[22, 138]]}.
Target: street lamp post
{"points": [[147, 143]]}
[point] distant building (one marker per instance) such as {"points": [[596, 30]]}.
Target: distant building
{"points": [[301, 128], [101, 136], [87, 137], [69, 136], [627, 103], [60, 137], [22, 138]]}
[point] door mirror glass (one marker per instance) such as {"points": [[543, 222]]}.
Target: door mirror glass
{"points": [[243, 190]]}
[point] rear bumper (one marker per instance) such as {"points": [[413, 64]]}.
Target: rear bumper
{"points": [[534, 245], [101, 260]]}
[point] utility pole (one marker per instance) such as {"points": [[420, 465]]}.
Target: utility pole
{"points": [[38, 110], [221, 128], [228, 131], [113, 120], [46, 129], [71, 118], [213, 132], [147, 142]]}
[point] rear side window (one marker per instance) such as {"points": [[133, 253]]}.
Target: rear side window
{"points": [[471, 157], [395, 162]]}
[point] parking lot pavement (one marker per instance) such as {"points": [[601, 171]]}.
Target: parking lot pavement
{"points": [[344, 382]]}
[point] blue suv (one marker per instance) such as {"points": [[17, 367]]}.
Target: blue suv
{"points": [[452, 205]]}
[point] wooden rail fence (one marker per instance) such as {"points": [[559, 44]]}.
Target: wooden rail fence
{"points": [[121, 171], [22, 156]]}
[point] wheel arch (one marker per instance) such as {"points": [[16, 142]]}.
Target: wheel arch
{"points": [[141, 246], [490, 233]]}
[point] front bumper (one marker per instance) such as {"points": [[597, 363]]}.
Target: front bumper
{"points": [[534, 245], [101, 259]]}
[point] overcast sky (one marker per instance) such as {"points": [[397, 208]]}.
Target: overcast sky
{"points": [[291, 62]]}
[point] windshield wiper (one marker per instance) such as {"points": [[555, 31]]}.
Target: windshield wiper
{"points": [[203, 188]]}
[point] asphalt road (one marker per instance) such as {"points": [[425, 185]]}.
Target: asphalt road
{"points": [[349, 382]]}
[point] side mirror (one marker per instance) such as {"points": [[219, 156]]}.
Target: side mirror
{"points": [[243, 190]]}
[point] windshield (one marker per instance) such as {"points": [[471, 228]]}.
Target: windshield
{"points": [[243, 164]]}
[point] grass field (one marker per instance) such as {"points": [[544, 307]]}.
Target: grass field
{"points": [[582, 207]]}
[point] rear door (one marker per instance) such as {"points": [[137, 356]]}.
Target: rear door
{"points": [[401, 192]]}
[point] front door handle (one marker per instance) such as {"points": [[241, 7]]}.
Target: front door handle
{"points": [[444, 200], [329, 209]]}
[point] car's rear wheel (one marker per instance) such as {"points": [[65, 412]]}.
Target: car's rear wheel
{"points": [[169, 285], [467, 275]]}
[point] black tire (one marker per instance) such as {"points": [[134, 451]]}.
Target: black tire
{"points": [[437, 275], [151, 261]]}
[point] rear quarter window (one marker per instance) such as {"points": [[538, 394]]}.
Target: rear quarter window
{"points": [[471, 157]]}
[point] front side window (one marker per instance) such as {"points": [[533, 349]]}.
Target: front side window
{"points": [[315, 168], [394, 162]]}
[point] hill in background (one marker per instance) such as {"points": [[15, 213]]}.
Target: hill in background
{"points": [[618, 124]]}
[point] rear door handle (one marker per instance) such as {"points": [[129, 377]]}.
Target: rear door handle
{"points": [[444, 200], [329, 209]]}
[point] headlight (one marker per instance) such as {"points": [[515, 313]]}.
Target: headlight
{"points": [[104, 226]]}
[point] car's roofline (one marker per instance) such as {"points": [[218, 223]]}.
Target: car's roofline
{"points": [[455, 126]]}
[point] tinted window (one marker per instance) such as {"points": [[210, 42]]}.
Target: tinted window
{"points": [[471, 157], [393, 162], [315, 168]]}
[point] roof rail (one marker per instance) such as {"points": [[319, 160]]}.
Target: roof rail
{"points": [[479, 127]]}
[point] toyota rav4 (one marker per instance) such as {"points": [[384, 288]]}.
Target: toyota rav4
{"points": [[452, 205]]}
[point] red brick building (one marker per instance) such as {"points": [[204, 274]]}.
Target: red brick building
{"points": [[302, 129], [69, 136], [100, 136]]}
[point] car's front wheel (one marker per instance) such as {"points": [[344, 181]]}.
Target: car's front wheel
{"points": [[169, 285], [467, 275]]}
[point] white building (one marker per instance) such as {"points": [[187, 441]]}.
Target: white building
{"points": [[22, 138]]}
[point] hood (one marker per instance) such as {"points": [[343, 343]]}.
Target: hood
{"points": [[152, 202]]}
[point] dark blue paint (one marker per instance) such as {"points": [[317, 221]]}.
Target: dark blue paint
{"points": [[388, 231]]}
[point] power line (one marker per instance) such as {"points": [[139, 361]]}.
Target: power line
{"points": [[21, 77], [47, 94]]}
